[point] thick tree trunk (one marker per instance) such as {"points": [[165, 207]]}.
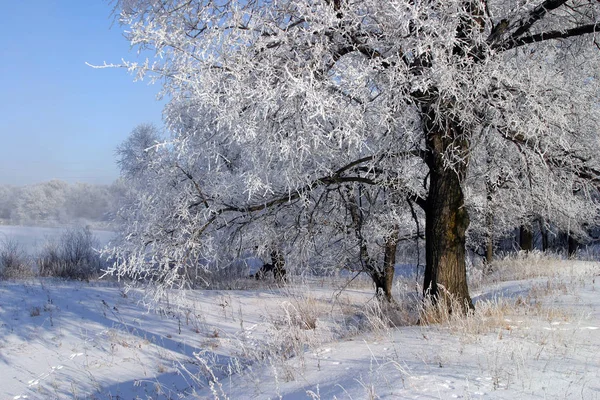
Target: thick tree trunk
{"points": [[446, 222], [526, 238], [446, 217]]}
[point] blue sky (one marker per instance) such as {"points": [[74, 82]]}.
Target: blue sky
{"points": [[59, 118]]}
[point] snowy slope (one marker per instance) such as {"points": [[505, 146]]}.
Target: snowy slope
{"points": [[530, 338]]}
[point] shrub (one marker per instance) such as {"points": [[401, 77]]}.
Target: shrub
{"points": [[72, 257], [14, 262]]}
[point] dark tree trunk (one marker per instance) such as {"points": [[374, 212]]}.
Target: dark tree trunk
{"points": [[446, 223], [489, 239], [489, 226], [384, 279], [489, 249], [573, 246], [526, 238], [279, 272], [276, 266], [544, 233], [446, 217]]}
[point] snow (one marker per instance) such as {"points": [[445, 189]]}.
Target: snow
{"points": [[93, 340]]}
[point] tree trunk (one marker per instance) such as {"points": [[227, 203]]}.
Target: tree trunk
{"points": [[526, 238], [384, 280], [489, 225], [279, 272], [489, 240], [446, 223], [489, 249], [544, 233], [573, 245]]}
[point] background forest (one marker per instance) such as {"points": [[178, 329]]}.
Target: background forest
{"points": [[58, 203]]}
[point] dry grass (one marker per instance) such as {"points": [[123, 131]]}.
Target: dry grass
{"points": [[14, 262], [34, 312], [295, 327], [536, 264], [556, 277], [309, 316]]}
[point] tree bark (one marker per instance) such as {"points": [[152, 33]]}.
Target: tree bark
{"points": [[384, 279], [525, 238], [573, 245], [446, 223], [544, 233], [489, 225], [279, 272], [489, 239], [489, 249]]}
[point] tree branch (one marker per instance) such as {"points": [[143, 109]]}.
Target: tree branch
{"points": [[582, 171], [543, 36], [535, 15], [324, 181]]}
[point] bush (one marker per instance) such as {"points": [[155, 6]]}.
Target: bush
{"points": [[72, 257], [14, 262]]}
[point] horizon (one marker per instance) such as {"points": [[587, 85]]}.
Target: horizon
{"points": [[70, 183]]}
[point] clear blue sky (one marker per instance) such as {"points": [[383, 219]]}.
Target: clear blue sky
{"points": [[59, 118]]}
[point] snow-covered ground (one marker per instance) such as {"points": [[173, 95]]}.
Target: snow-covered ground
{"points": [[529, 338]]}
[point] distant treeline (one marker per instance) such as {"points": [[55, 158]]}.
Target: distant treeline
{"points": [[58, 203]]}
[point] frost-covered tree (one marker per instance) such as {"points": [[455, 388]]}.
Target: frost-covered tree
{"points": [[433, 102], [135, 154], [191, 205], [41, 203], [8, 197], [86, 203], [503, 196]]}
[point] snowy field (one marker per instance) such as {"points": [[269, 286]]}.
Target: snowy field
{"points": [[32, 239], [535, 335]]}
